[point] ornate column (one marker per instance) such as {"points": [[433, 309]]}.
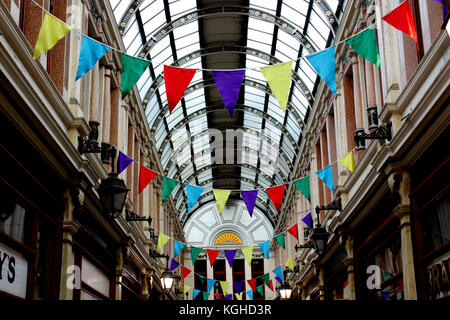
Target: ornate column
{"points": [[74, 199], [399, 183], [359, 122], [372, 110], [347, 241]]}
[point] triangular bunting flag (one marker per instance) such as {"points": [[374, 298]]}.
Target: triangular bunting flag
{"points": [[201, 278], [239, 296], [185, 272], [260, 290], [303, 186], [212, 256], [228, 296], [271, 285], [249, 198], [210, 283], [348, 161], [177, 80], [229, 83], [123, 161], [252, 283], [294, 231], [249, 294], [279, 279], [325, 65], [224, 286], [276, 195], [308, 220], [326, 175], [248, 253], [289, 263], [52, 30], [195, 292], [279, 79], [238, 285], [194, 253], [193, 193], [265, 248], [221, 197], [91, 51], [365, 44], [162, 240], [205, 295], [280, 239], [173, 265], [145, 176], [132, 70], [229, 254], [168, 186], [186, 288], [177, 247], [402, 19], [266, 279], [279, 272]]}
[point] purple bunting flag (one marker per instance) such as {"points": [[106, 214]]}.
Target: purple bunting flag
{"points": [[279, 279], [228, 296], [238, 286], [173, 265], [229, 83], [123, 162], [250, 199], [308, 220], [229, 254]]}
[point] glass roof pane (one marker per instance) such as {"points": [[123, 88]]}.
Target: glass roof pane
{"points": [[178, 7], [267, 5], [295, 12], [119, 7]]}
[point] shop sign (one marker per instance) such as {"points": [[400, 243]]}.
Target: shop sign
{"points": [[438, 277], [13, 272]]}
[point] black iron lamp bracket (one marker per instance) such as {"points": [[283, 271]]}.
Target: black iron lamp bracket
{"points": [[307, 245], [131, 216], [382, 132], [335, 205], [156, 254]]}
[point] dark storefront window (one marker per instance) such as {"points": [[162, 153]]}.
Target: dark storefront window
{"points": [[239, 275], [335, 276], [257, 272], [199, 282], [219, 275]]}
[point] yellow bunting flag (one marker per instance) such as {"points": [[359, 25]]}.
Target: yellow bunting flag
{"points": [[221, 198], [224, 285], [239, 295], [348, 161], [52, 30], [186, 288], [248, 253], [289, 263], [162, 240], [279, 79]]}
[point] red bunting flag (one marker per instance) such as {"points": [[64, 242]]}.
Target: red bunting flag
{"points": [[212, 255], [402, 19], [145, 176], [252, 283], [177, 80], [185, 273], [345, 284], [271, 285], [294, 231], [276, 195]]}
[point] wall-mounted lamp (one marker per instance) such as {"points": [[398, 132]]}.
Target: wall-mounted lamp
{"points": [[131, 216], [382, 132]]}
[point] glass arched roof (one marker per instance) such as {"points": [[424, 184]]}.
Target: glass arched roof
{"points": [[180, 33]]}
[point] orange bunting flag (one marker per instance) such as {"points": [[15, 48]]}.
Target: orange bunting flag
{"points": [[177, 80], [185, 273], [276, 195], [212, 255], [402, 19], [294, 231], [145, 176]]}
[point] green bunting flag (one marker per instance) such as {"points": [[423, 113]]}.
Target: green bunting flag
{"points": [[205, 295], [365, 44], [132, 70], [303, 186], [280, 239], [266, 279], [202, 278], [260, 290], [194, 253], [168, 186]]}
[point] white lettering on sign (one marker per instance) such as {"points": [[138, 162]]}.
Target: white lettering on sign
{"points": [[13, 272]]}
